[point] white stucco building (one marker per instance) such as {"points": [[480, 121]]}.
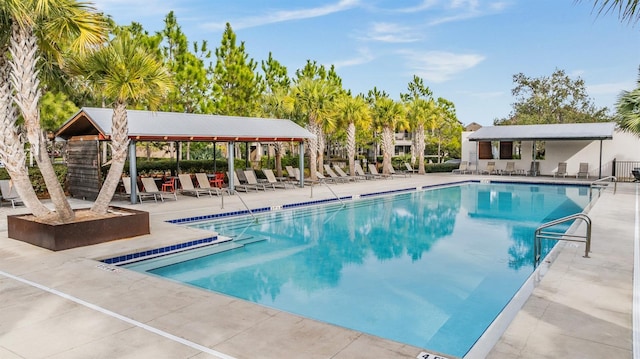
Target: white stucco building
{"points": [[607, 151]]}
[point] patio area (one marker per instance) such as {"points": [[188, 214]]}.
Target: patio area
{"points": [[67, 304]]}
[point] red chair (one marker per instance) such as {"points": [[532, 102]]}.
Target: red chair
{"points": [[218, 180], [170, 185]]}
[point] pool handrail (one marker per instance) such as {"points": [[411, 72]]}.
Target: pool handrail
{"points": [[540, 233]]}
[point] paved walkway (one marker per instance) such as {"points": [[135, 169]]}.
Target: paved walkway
{"points": [[68, 305]]}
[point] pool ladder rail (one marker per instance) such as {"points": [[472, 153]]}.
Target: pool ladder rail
{"points": [[603, 183], [541, 233]]}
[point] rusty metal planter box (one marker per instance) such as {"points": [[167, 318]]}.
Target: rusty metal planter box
{"points": [[57, 237]]}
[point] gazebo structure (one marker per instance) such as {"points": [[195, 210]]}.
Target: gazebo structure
{"points": [[89, 126]]}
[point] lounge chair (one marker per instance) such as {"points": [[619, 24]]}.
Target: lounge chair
{"points": [[344, 175], [271, 178], [9, 193], [562, 170], [534, 170], [636, 174], [509, 169], [491, 168], [244, 187], [252, 180], [374, 171], [187, 188], [333, 175], [204, 183], [393, 172], [360, 172], [583, 170], [150, 186], [462, 169], [409, 168], [291, 173], [126, 182]]}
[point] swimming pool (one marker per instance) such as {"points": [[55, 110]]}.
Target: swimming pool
{"points": [[427, 268]]}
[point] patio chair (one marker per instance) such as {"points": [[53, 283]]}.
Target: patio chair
{"points": [[583, 170], [252, 180], [9, 193], [490, 169], [169, 185], [534, 170], [204, 183], [509, 169], [636, 174], [150, 186], [409, 168], [360, 172], [393, 172], [271, 178], [562, 170], [344, 175], [126, 182], [333, 175], [217, 180], [374, 171], [240, 186], [240, 176], [187, 188], [462, 169], [291, 173]]}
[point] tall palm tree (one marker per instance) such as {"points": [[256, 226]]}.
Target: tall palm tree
{"points": [[352, 112], [419, 111], [38, 27], [313, 103], [388, 115], [126, 74], [277, 104], [628, 110]]}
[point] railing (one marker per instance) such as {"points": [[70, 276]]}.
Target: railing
{"points": [[603, 183], [327, 185], [541, 233], [241, 200], [622, 170]]}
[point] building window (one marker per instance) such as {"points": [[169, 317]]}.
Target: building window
{"points": [[484, 150]]}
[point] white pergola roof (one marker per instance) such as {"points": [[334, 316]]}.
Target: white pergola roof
{"points": [[550, 132], [174, 126]]}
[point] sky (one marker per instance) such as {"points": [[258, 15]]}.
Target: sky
{"points": [[466, 51]]}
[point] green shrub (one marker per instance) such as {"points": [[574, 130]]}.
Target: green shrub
{"points": [[37, 181]]}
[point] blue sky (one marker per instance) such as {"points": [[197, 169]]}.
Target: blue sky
{"points": [[466, 51]]}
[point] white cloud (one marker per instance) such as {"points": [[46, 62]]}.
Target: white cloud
{"points": [[391, 33], [459, 10], [364, 56], [614, 88], [287, 15], [440, 66], [424, 5]]}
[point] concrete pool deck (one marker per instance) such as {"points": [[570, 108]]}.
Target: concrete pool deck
{"points": [[69, 305]]}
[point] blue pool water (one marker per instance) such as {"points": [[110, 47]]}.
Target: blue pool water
{"points": [[430, 268]]}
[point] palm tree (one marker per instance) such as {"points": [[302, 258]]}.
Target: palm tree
{"points": [[388, 115], [629, 10], [628, 110], [313, 103], [418, 113], [126, 74], [277, 104], [352, 112], [36, 28]]}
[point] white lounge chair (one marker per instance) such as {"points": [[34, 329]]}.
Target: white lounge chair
{"points": [[583, 171], [510, 169], [344, 175], [204, 183], [374, 171], [333, 175], [393, 172], [151, 187], [410, 169], [252, 180], [462, 168], [186, 186], [271, 178], [491, 168], [562, 170], [360, 172], [237, 186], [126, 182], [9, 193]]}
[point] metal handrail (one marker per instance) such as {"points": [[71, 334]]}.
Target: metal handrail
{"points": [[327, 185], [599, 183], [539, 234], [241, 200]]}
